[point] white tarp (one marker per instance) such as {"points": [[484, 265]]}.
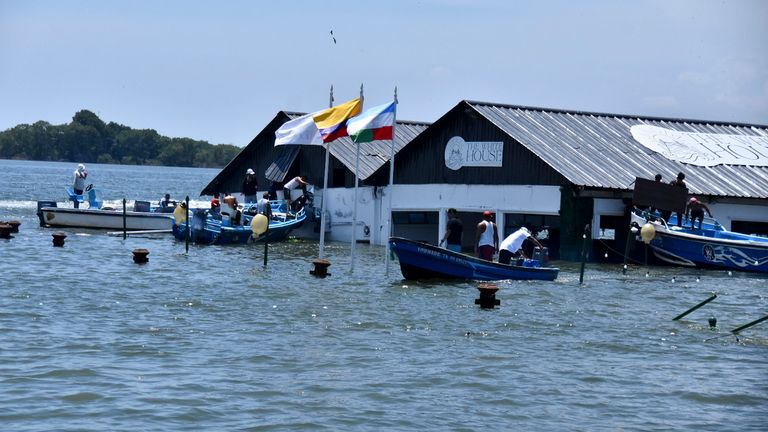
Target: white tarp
{"points": [[703, 149]]}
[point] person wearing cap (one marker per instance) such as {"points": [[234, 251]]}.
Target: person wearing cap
{"points": [[511, 247], [453, 232], [486, 237], [250, 185], [78, 182], [695, 210]]}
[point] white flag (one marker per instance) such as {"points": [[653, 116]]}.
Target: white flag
{"points": [[301, 131]]}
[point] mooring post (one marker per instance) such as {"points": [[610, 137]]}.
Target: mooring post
{"points": [[266, 243], [5, 230], [585, 236], [186, 236], [58, 238], [321, 268], [714, 296], [487, 298], [125, 222], [140, 256]]}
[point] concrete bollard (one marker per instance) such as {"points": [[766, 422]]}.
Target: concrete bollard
{"points": [[321, 268], [140, 256], [58, 238], [487, 298]]}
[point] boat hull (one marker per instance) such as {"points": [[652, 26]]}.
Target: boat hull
{"points": [[423, 261], [210, 231], [711, 247], [103, 219]]}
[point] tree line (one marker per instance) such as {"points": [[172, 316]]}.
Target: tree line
{"points": [[88, 139]]}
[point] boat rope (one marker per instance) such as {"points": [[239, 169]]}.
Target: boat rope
{"points": [[634, 261]]}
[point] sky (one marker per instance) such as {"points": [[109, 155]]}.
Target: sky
{"points": [[221, 71]]}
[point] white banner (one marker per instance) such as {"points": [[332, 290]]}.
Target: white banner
{"points": [[703, 149], [460, 153]]}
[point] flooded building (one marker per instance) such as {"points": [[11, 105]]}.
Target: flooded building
{"points": [[556, 172]]}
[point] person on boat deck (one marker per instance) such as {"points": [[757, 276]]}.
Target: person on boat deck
{"points": [[652, 209], [453, 232], [78, 181], [249, 187], [166, 201], [215, 204], [695, 210], [230, 207], [298, 182], [263, 207], [486, 237], [679, 183], [511, 247]]}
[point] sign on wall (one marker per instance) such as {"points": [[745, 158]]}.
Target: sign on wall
{"points": [[703, 149], [460, 153]]}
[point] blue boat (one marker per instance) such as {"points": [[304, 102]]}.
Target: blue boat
{"points": [[207, 228], [712, 246], [420, 260]]}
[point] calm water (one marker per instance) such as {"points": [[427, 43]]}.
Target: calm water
{"points": [[214, 340]]}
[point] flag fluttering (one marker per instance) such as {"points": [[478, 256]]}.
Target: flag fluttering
{"points": [[332, 122], [373, 124], [301, 130]]}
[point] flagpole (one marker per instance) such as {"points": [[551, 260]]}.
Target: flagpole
{"points": [[354, 212], [325, 188], [389, 189]]}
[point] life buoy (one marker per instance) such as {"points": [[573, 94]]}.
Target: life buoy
{"points": [[180, 215], [259, 224]]}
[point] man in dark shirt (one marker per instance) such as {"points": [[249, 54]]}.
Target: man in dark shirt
{"points": [[680, 183], [453, 232]]}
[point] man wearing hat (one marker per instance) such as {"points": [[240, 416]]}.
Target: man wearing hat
{"points": [[486, 237], [78, 182], [250, 184], [512, 245]]}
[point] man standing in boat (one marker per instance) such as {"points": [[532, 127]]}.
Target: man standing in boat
{"points": [[695, 210], [486, 237], [249, 187], [680, 183], [78, 182], [453, 232]]}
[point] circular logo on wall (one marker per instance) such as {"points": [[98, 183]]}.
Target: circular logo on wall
{"points": [[454, 154]]}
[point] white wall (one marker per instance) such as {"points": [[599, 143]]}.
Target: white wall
{"points": [[373, 212]]}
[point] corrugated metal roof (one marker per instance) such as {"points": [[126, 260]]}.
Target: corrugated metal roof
{"points": [[597, 150], [282, 163]]}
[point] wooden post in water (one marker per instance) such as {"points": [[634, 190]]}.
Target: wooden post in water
{"points": [[586, 238], [630, 234], [748, 325], [125, 222], [186, 237], [714, 296]]}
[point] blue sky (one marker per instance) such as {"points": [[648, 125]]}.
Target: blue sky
{"points": [[220, 71]]}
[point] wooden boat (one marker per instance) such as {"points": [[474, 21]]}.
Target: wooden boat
{"points": [[420, 260], [207, 228], [142, 216], [711, 246]]}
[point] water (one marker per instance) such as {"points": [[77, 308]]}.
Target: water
{"points": [[214, 340]]}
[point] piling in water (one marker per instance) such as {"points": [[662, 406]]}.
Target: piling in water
{"points": [[58, 238], [321, 268], [714, 296], [140, 256], [487, 298]]}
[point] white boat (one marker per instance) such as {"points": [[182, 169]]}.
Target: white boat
{"points": [[142, 217]]}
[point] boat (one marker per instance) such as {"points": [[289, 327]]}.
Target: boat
{"points": [[213, 229], [712, 246], [142, 216], [419, 260]]}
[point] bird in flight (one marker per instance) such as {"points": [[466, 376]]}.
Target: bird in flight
{"points": [[333, 37]]}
